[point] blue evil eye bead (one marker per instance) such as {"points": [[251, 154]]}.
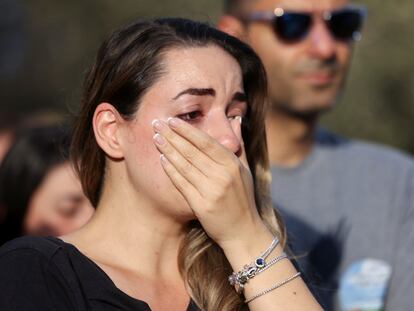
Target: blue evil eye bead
{"points": [[260, 262]]}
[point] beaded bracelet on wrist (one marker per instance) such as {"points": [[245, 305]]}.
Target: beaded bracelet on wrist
{"points": [[239, 279]]}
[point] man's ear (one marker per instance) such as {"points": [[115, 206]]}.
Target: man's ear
{"points": [[232, 26], [106, 126]]}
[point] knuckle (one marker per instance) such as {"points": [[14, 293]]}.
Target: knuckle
{"points": [[188, 154], [207, 144], [217, 191], [226, 181], [187, 167], [235, 168], [168, 149]]}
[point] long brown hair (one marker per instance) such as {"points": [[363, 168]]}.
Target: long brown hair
{"points": [[127, 65]]}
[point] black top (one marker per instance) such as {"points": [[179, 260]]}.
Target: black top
{"points": [[48, 274]]}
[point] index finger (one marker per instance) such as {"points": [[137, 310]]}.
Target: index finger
{"points": [[204, 142]]}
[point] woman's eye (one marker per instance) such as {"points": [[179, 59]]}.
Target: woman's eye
{"points": [[190, 116], [70, 207], [68, 211], [239, 118], [235, 117]]}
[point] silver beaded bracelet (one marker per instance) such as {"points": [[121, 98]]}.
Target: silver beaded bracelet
{"points": [[272, 262], [277, 285], [239, 279]]}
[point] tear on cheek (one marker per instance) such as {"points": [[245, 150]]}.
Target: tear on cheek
{"points": [[236, 125]]}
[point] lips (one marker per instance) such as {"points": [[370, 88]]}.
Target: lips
{"points": [[319, 78]]}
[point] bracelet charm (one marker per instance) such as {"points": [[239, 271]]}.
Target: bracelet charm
{"points": [[260, 262], [239, 279]]}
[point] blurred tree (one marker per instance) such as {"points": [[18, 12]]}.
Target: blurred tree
{"points": [[378, 103], [57, 40]]}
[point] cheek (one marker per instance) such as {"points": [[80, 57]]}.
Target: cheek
{"points": [[344, 54], [274, 54], [143, 158], [60, 224], [280, 67], [38, 212], [236, 125]]}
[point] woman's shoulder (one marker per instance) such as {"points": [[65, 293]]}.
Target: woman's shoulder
{"points": [[45, 247], [46, 258], [32, 257], [39, 268]]}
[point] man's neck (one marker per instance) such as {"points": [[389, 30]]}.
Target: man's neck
{"points": [[290, 138]]}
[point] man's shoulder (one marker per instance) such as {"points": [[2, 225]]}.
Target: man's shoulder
{"points": [[379, 153], [45, 247], [359, 151]]}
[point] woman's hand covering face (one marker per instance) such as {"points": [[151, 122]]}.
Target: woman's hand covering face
{"points": [[216, 183]]}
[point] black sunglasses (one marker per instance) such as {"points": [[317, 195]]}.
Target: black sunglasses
{"points": [[344, 24]]}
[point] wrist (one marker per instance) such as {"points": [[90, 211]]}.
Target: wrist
{"points": [[248, 246]]}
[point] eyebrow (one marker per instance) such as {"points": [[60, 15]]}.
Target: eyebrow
{"points": [[239, 96], [196, 92]]}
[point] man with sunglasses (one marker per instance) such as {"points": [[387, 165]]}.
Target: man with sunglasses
{"points": [[348, 205]]}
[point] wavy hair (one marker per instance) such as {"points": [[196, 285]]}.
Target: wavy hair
{"points": [[128, 63]]}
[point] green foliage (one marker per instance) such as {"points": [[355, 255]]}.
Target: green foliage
{"points": [[378, 103]]}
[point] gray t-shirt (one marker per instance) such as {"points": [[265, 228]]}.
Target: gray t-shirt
{"points": [[349, 213]]}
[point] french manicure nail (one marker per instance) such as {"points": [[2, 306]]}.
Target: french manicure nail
{"points": [[157, 124], [174, 122], [159, 140], [163, 159]]}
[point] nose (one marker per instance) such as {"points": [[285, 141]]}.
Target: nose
{"points": [[322, 43], [227, 133]]}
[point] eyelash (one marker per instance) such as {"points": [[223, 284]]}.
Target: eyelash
{"points": [[189, 116], [194, 116]]}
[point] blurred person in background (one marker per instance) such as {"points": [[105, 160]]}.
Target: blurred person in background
{"points": [[348, 205], [8, 124], [7, 129], [39, 190], [6, 137]]}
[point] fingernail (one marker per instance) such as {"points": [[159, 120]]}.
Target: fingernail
{"points": [[157, 125], [163, 159], [174, 122], [159, 140]]}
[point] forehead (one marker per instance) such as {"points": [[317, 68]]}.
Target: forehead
{"points": [[209, 66], [299, 5]]}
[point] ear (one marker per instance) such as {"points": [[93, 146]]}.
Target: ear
{"points": [[106, 124], [232, 26]]}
